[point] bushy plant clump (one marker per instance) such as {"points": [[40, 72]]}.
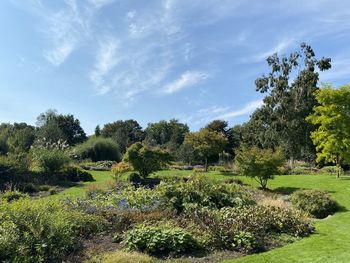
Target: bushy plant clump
{"points": [[42, 231], [316, 203], [98, 149], [159, 240], [97, 166], [75, 174], [14, 195]]}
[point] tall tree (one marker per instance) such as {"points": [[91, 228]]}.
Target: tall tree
{"points": [[166, 134], [332, 116], [290, 101], [124, 133], [206, 143], [54, 127]]}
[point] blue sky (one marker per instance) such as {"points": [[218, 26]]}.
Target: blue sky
{"points": [[105, 60]]}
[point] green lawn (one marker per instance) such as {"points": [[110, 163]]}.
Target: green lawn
{"points": [[330, 243], [101, 179]]}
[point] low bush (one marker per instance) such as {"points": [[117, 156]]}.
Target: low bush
{"points": [[97, 166], [159, 240], [42, 231], [50, 160], [302, 170], [75, 174], [121, 168], [220, 169], [10, 196], [314, 202]]}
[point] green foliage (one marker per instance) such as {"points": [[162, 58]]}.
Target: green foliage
{"points": [[314, 202], [98, 149], [146, 159], [332, 137], [197, 192], [42, 231], [206, 143], [159, 240], [75, 174], [124, 133], [54, 127], [260, 164], [281, 120], [14, 195], [167, 135], [50, 157], [97, 166]]}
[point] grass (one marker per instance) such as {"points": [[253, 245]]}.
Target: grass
{"points": [[331, 241], [101, 180]]}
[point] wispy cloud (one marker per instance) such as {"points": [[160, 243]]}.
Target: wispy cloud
{"points": [[247, 109], [106, 60], [186, 80]]}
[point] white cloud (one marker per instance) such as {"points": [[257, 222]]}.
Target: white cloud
{"points": [[187, 79], [106, 60], [247, 109]]}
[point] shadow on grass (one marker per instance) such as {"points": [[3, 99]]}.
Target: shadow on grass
{"points": [[285, 190]]}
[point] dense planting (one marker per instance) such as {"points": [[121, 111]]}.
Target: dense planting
{"points": [[314, 202]]}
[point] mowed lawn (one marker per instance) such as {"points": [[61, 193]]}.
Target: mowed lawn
{"points": [[330, 243]]}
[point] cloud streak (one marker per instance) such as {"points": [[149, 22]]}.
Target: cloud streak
{"points": [[186, 80]]}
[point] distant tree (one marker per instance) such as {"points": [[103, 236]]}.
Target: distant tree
{"points": [[332, 117], [166, 134], [97, 131], [259, 164], [124, 133], [290, 101], [54, 127], [187, 154], [146, 159], [21, 139], [206, 143]]}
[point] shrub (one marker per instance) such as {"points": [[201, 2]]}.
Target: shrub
{"points": [[146, 159], [10, 196], [260, 164], [220, 169], [159, 240], [97, 166], [42, 231], [50, 157], [75, 174], [124, 257], [248, 228], [121, 168], [200, 192], [98, 149], [314, 202]]}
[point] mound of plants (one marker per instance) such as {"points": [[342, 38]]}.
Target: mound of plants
{"points": [[314, 202], [162, 239], [42, 231], [97, 166]]}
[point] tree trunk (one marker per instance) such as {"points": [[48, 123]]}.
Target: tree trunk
{"points": [[337, 164], [206, 164]]}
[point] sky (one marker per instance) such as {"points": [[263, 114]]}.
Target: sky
{"points": [[193, 60]]}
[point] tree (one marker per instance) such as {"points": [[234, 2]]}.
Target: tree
{"points": [[124, 133], [97, 131], [166, 134], [259, 164], [332, 116], [146, 159], [21, 139], [289, 102], [54, 127], [206, 143]]}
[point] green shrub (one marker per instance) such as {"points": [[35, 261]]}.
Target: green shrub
{"points": [[159, 240], [10, 196], [42, 231], [200, 192], [50, 160], [75, 174], [259, 164], [97, 166], [98, 149], [314, 202], [220, 169]]}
